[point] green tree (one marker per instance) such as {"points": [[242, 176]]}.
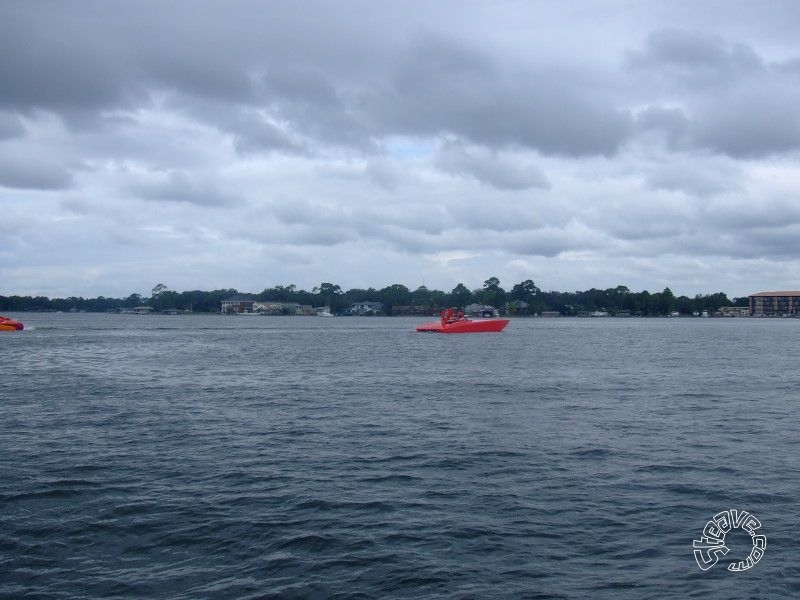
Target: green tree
{"points": [[422, 296], [460, 296], [684, 305], [743, 301], [524, 290], [280, 293], [666, 302], [134, 300], [329, 294], [394, 295], [620, 295], [493, 294], [643, 303], [157, 293]]}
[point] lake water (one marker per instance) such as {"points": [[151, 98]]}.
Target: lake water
{"points": [[213, 457]]}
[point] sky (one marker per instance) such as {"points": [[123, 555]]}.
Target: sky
{"points": [[239, 144]]}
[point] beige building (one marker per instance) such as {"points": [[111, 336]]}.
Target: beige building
{"points": [[775, 304], [734, 311]]}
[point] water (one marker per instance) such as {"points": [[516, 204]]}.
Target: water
{"points": [[215, 457]]}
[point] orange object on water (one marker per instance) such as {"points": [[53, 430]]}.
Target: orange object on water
{"points": [[449, 323], [7, 324]]}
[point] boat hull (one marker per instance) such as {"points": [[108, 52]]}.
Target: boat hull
{"points": [[466, 326], [7, 324]]}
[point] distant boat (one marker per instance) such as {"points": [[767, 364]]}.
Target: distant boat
{"points": [[8, 324], [450, 322]]}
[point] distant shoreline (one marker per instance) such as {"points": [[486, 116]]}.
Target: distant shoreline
{"points": [[523, 299]]}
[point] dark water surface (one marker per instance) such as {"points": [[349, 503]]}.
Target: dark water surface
{"points": [[215, 457]]}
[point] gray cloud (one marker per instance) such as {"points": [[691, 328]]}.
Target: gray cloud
{"points": [[446, 88], [490, 168], [554, 241], [671, 122], [22, 170], [750, 122], [253, 130], [51, 58], [734, 102], [695, 59], [790, 67], [697, 176], [10, 126], [298, 224], [437, 142], [179, 186], [385, 173]]}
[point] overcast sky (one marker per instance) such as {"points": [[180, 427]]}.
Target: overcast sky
{"points": [[250, 144]]}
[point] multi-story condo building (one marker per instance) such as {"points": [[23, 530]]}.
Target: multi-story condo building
{"points": [[775, 304]]}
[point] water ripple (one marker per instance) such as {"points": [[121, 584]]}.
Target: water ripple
{"points": [[202, 457]]}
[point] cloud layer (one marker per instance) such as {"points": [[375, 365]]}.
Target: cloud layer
{"points": [[238, 144]]}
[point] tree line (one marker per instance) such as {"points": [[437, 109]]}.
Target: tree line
{"points": [[524, 298]]}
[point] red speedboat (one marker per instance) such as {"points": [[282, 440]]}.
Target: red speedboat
{"points": [[458, 323], [7, 324]]}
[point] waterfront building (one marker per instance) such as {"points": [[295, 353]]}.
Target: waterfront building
{"points": [[365, 308], [136, 310], [734, 311], [237, 304], [412, 310], [775, 304], [481, 311]]}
